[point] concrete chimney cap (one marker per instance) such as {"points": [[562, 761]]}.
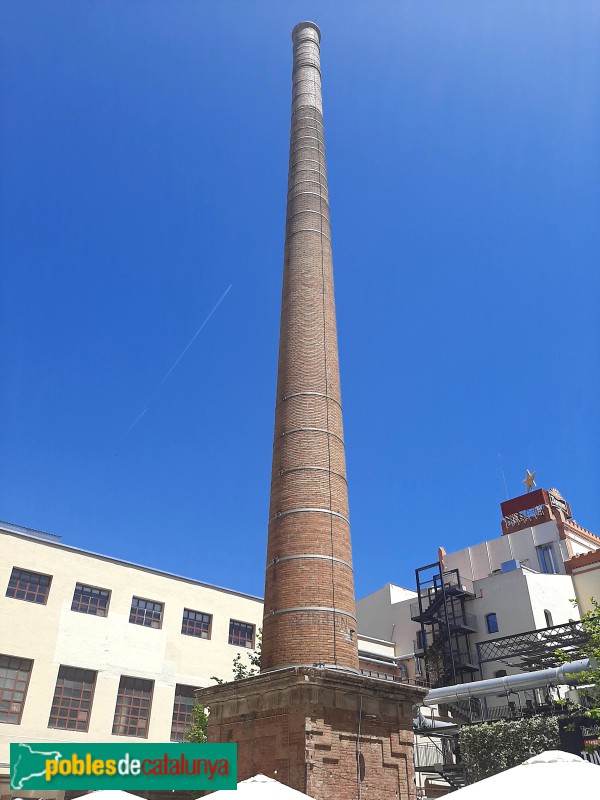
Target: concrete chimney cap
{"points": [[304, 26]]}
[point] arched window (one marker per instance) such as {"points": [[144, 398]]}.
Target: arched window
{"points": [[491, 620], [548, 617]]}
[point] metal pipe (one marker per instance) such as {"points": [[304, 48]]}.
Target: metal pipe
{"points": [[555, 676], [371, 660]]}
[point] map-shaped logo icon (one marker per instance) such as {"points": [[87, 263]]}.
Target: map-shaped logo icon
{"points": [[29, 762]]}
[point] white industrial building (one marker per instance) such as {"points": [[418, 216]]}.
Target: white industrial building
{"points": [[96, 648]]}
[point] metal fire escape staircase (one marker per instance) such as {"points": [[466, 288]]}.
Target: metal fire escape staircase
{"points": [[438, 755], [443, 642]]}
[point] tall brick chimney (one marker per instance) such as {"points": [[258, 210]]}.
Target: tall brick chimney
{"points": [[309, 615], [311, 719]]}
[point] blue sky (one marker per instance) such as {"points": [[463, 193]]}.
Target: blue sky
{"points": [[144, 156]]}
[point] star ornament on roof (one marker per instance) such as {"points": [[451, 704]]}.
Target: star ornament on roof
{"points": [[529, 481]]}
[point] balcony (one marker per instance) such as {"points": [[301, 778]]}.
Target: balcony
{"points": [[433, 759], [427, 756], [448, 585], [464, 662], [463, 623], [454, 584], [459, 623]]}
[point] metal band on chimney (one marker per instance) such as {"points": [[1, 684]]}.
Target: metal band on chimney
{"points": [[309, 555], [314, 194], [297, 609], [308, 511], [307, 211], [308, 230], [310, 394], [312, 430], [307, 161], [313, 469]]}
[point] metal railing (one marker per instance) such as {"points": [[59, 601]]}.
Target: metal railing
{"points": [[463, 621], [451, 582], [384, 676], [470, 710], [414, 608], [428, 755], [464, 658]]}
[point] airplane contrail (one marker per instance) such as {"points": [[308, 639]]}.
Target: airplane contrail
{"points": [[177, 360], [191, 341], [135, 421]]}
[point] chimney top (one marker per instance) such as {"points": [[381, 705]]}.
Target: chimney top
{"points": [[305, 26]]}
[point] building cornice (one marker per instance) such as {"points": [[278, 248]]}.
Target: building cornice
{"points": [[571, 526], [582, 560]]}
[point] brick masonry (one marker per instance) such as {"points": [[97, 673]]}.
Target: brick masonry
{"points": [[329, 731], [322, 732], [310, 614]]}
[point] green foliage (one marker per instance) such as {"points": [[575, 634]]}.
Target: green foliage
{"points": [[591, 695], [434, 663], [489, 748], [198, 733], [492, 747], [198, 730], [242, 670]]}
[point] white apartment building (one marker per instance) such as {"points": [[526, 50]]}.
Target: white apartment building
{"points": [[538, 531], [96, 648], [521, 581], [386, 615]]}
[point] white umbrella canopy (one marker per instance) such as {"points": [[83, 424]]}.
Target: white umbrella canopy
{"points": [[109, 794], [259, 788], [553, 775]]}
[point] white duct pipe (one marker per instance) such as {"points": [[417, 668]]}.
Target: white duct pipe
{"points": [[556, 676]]}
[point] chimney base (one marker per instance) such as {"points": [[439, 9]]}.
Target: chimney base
{"points": [[301, 726]]}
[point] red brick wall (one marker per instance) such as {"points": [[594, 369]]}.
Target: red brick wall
{"points": [[301, 727]]}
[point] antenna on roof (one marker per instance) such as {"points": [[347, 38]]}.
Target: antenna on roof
{"points": [[503, 476]]}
